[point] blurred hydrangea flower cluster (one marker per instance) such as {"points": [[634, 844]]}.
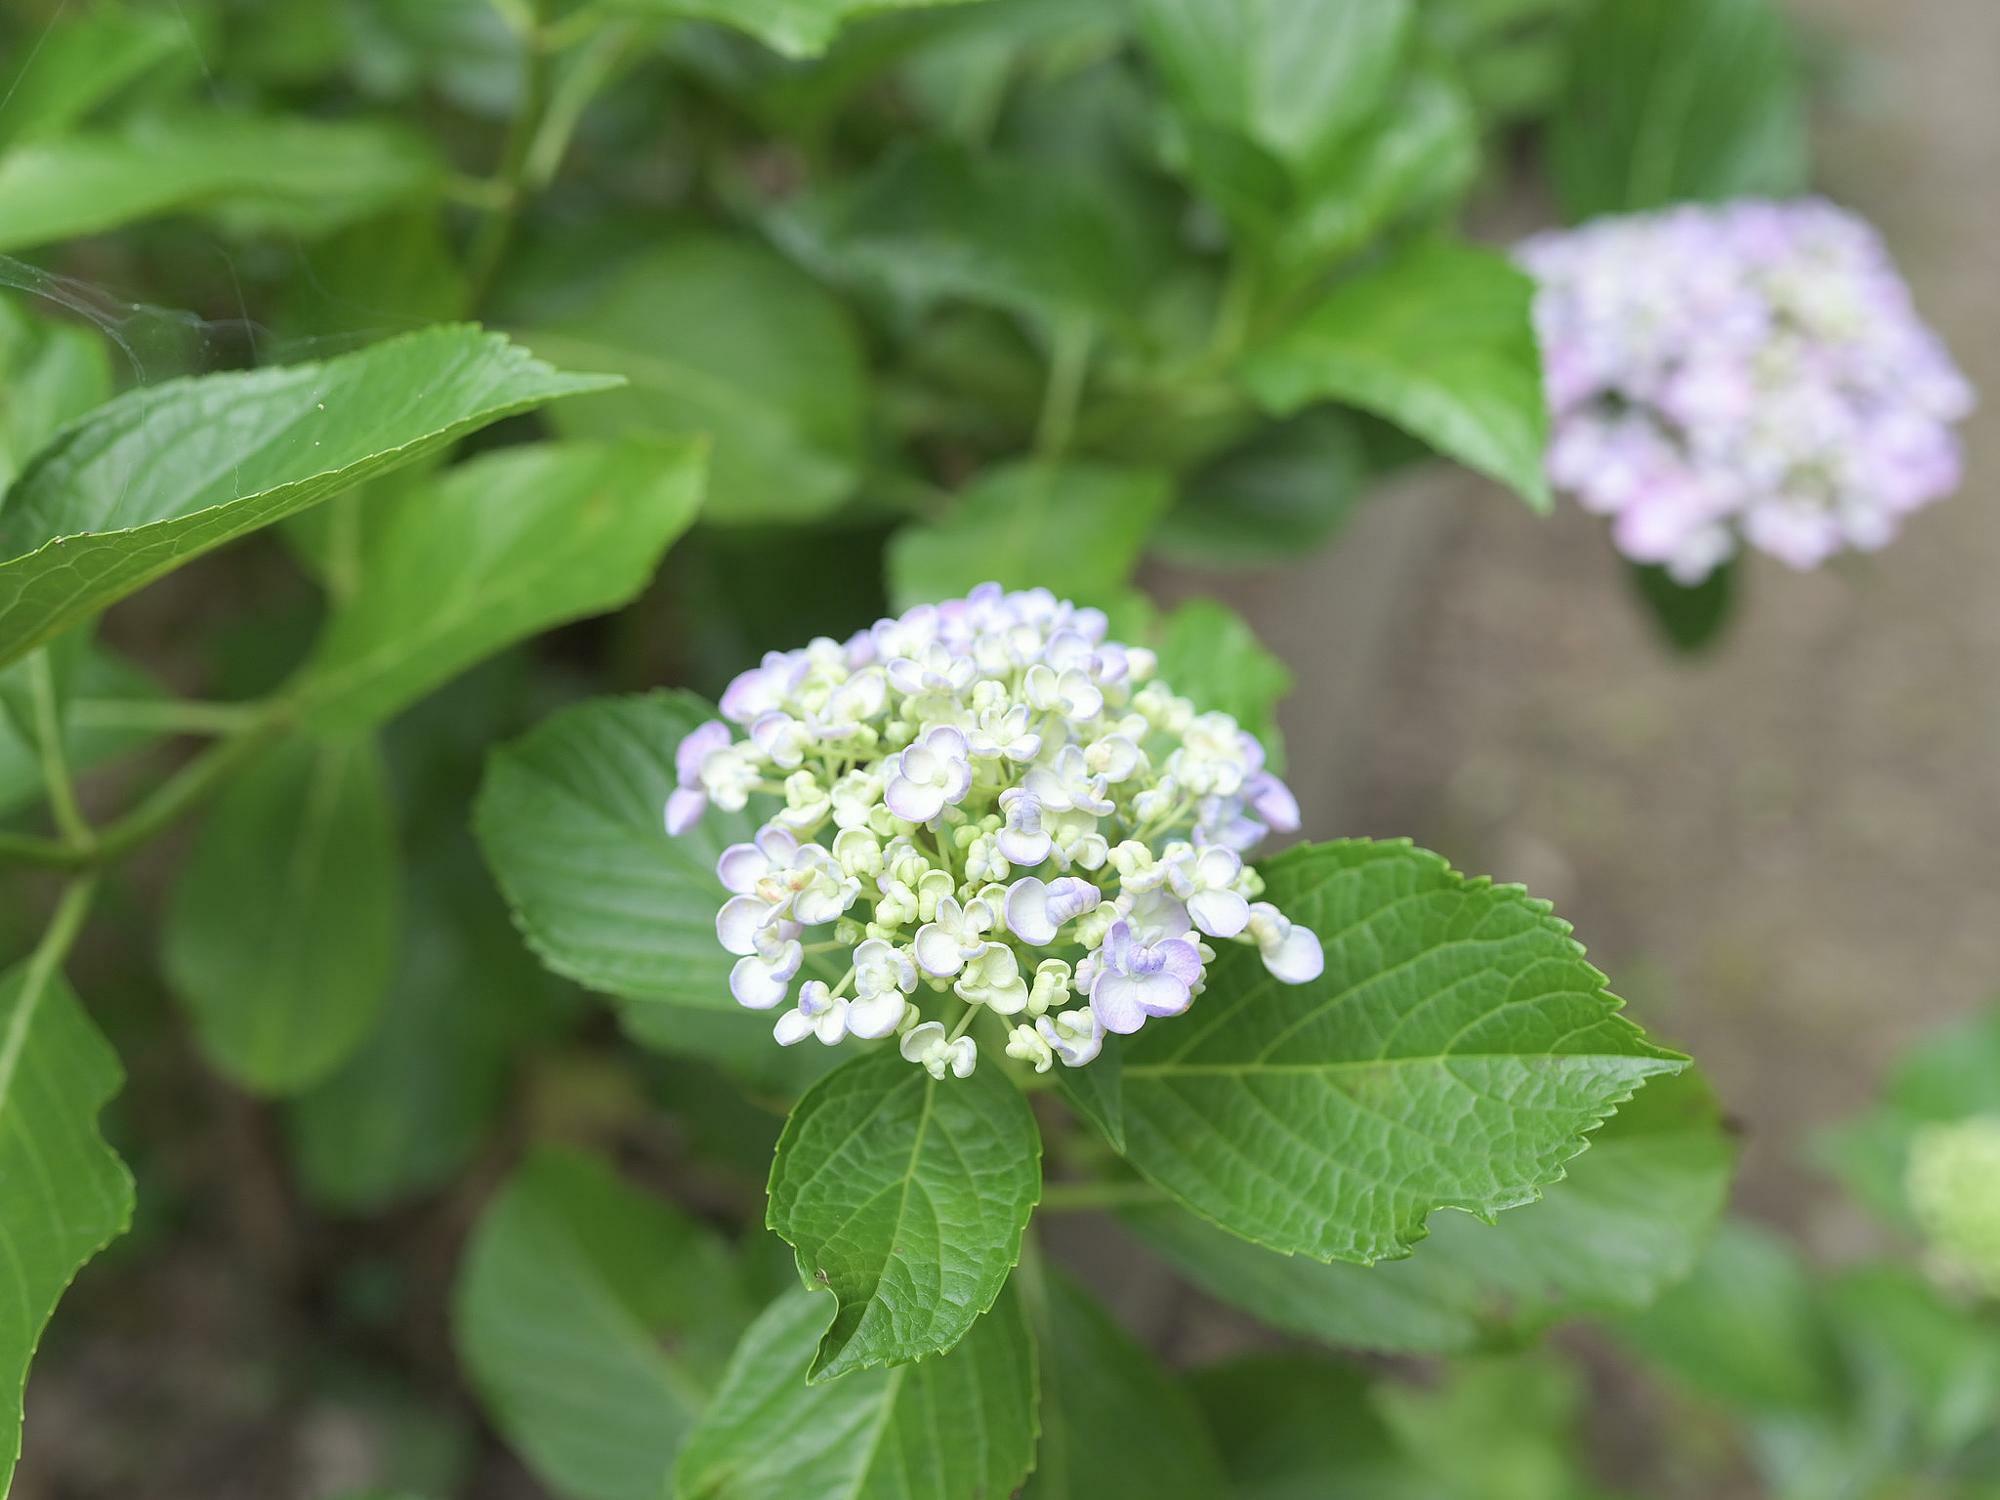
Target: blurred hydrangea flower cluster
{"points": [[989, 799], [1951, 1180], [1749, 372]]}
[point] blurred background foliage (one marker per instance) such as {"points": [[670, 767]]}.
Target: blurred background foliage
{"points": [[1027, 289]]}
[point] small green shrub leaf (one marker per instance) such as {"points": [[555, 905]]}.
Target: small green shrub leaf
{"points": [[281, 936], [1454, 1054], [906, 1197], [958, 1424], [490, 552], [167, 472], [1436, 340]]}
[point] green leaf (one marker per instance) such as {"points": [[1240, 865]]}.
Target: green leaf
{"points": [[1076, 529], [1293, 76], [281, 937], [81, 60], [1112, 1423], [1690, 617], [1491, 1429], [67, 1195], [1950, 1076], [303, 176], [411, 1105], [492, 552], [1298, 1427], [571, 819], [165, 473], [1454, 1054], [721, 337], [50, 374], [1272, 499], [797, 28], [593, 1320], [1922, 1369], [1745, 1328], [1098, 1094], [1628, 1220], [905, 1197], [1438, 341], [938, 221], [963, 1421], [1669, 100], [1211, 656], [738, 1041]]}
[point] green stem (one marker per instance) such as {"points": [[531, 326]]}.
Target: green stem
{"points": [[166, 716], [599, 61], [496, 232], [57, 940], [1079, 1197], [1069, 365], [75, 828]]}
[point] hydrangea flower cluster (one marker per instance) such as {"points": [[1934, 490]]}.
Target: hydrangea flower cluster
{"points": [[1950, 1177], [985, 799], [1750, 372]]}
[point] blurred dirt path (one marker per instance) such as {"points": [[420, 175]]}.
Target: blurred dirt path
{"points": [[1788, 856]]}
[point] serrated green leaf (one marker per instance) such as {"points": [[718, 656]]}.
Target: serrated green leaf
{"points": [[492, 552], [1436, 340], [1208, 654], [1112, 1423], [165, 473], [50, 374], [1098, 1094], [1950, 1076], [1628, 1220], [797, 28], [1293, 76], [593, 1319], [1454, 1054], [1076, 529], [571, 818], [281, 937], [1745, 1328], [721, 337], [906, 1197], [960, 1424], [1669, 100], [938, 221], [64, 1194], [1271, 499], [81, 60], [301, 175]]}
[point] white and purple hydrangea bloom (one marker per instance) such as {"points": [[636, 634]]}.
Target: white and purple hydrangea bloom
{"points": [[1753, 372], [992, 810]]}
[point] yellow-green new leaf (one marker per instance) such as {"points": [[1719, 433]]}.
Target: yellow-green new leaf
{"points": [[165, 473], [64, 1194]]}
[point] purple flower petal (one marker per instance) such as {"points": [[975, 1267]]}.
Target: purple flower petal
{"points": [[1220, 914], [684, 809], [737, 923], [1299, 959]]}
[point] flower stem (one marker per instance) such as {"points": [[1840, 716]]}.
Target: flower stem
{"points": [[167, 715], [75, 828], [496, 231]]}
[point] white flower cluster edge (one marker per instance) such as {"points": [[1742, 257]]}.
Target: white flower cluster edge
{"points": [[985, 799]]}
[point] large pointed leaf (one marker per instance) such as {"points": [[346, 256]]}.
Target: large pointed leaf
{"points": [[1629, 1219], [81, 59], [1670, 100], [64, 1195], [593, 1319], [1454, 1054], [572, 819], [960, 1426], [1436, 340], [282, 934], [1112, 1422], [297, 174], [493, 551], [50, 373], [906, 1197], [165, 473]]}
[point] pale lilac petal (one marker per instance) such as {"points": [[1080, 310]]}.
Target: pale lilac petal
{"points": [[876, 1018], [1273, 802], [684, 809], [913, 802], [737, 923], [1220, 914], [1028, 911], [1178, 960], [1024, 848], [741, 866], [758, 984], [1118, 1000], [1299, 959], [937, 951], [699, 744], [793, 1027]]}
